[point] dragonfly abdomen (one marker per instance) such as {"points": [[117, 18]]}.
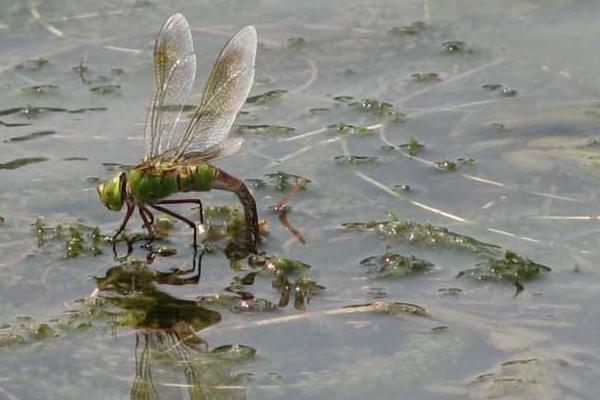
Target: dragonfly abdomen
{"points": [[195, 178]]}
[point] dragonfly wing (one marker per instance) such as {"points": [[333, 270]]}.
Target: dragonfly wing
{"points": [[174, 73], [226, 91], [222, 149]]}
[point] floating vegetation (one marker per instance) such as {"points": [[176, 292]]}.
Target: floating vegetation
{"points": [[380, 108], [344, 128], [492, 87], [235, 352], [75, 159], [507, 268], [452, 166], [30, 136], [273, 265], [79, 239], [450, 291], [456, 46], [21, 162], [466, 161], [498, 127], [266, 97], [162, 226], [426, 77], [13, 125], [303, 289], [508, 92], [295, 42], [413, 147], [283, 181], [165, 251], [446, 165], [106, 88], [392, 265], [253, 305], [32, 65], [343, 99], [83, 110], [9, 339], [263, 129], [425, 234], [31, 111], [2, 220], [352, 159], [40, 89], [318, 110], [413, 29], [500, 90], [402, 188]]}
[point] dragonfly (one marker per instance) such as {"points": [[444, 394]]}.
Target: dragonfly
{"points": [[178, 151]]}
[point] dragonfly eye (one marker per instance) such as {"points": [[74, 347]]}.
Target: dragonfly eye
{"points": [[111, 192]]}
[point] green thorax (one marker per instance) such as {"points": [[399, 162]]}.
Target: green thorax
{"points": [[150, 183]]}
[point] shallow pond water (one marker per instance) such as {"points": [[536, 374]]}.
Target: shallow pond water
{"points": [[448, 212]]}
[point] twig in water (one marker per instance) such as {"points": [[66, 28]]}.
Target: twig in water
{"points": [[282, 210]]}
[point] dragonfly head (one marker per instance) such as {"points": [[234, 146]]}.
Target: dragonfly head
{"points": [[112, 192]]}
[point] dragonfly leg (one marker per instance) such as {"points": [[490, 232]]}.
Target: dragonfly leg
{"points": [[128, 213], [148, 220], [230, 183], [185, 201], [188, 221]]}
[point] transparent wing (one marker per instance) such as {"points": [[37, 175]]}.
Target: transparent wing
{"points": [[222, 149], [226, 91], [174, 73]]}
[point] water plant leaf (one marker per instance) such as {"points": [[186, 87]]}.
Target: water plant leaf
{"points": [[353, 159], [425, 234], [277, 264], [40, 89], [105, 88], [509, 267], [234, 352], [392, 265], [446, 165], [380, 108], [283, 181], [412, 29], [344, 128], [456, 46], [30, 136], [263, 129], [253, 305], [426, 77], [413, 147], [33, 64], [21, 162], [267, 97]]}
